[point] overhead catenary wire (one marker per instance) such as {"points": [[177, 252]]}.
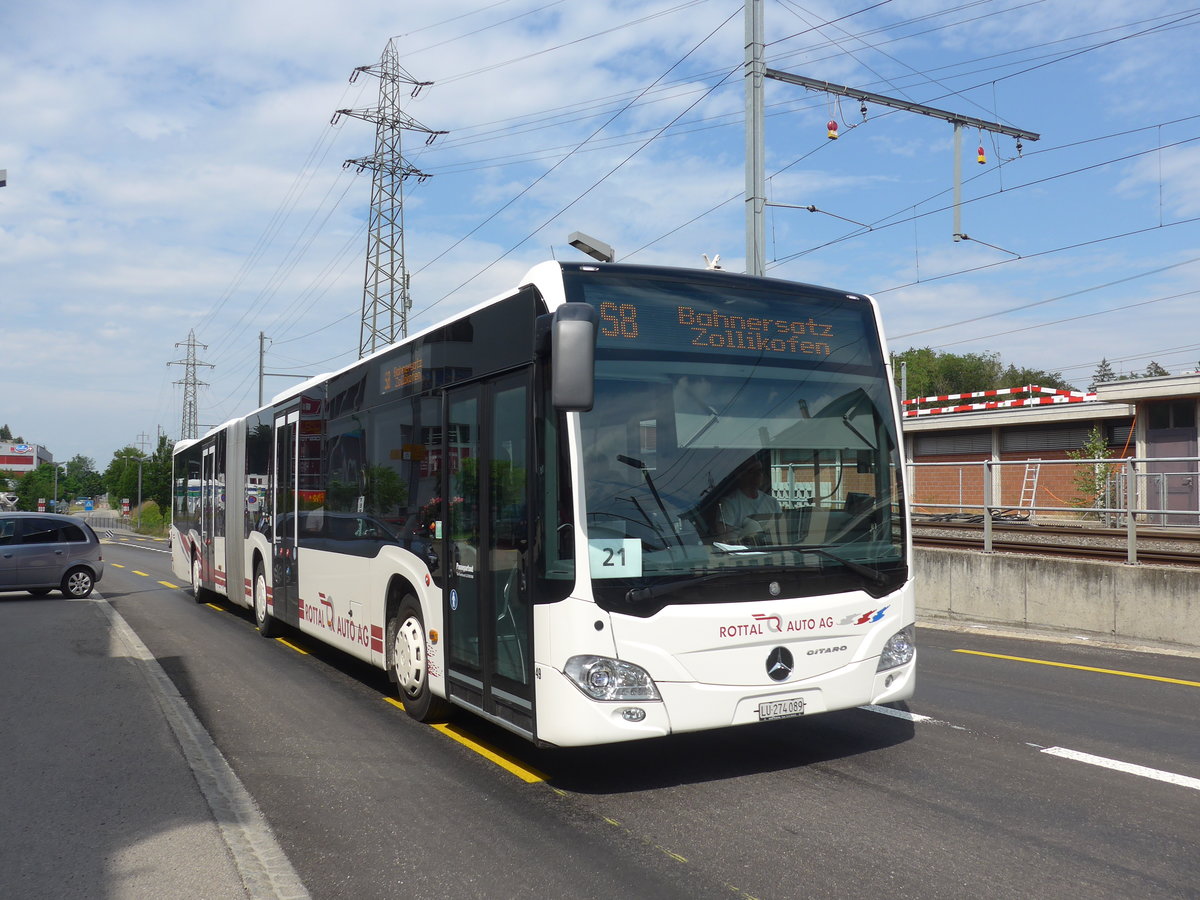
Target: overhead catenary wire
{"points": [[529, 187], [1076, 318], [882, 225], [491, 67], [488, 27]]}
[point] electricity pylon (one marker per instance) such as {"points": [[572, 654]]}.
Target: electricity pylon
{"points": [[189, 425], [386, 299]]}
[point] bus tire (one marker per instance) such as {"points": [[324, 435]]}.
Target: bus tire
{"points": [[268, 625], [407, 646], [197, 589]]}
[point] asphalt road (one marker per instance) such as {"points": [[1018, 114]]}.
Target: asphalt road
{"points": [[1023, 768]]}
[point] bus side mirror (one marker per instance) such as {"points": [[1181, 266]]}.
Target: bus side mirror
{"points": [[573, 357]]}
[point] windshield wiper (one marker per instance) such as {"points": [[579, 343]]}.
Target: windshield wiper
{"points": [[637, 595], [821, 550], [849, 424]]}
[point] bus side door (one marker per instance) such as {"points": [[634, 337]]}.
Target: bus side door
{"points": [[488, 617], [285, 517], [208, 507]]}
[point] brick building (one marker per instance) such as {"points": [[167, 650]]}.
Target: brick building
{"points": [[1027, 433]]}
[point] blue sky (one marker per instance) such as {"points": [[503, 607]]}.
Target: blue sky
{"points": [[172, 167]]}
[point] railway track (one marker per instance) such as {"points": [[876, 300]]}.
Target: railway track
{"points": [[1154, 547]]}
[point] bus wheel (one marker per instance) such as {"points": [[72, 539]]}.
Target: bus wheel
{"points": [[197, 590], [407, 665], [268, 625]]}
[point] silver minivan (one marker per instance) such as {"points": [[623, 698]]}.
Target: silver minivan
{"points": [[42, 552]]}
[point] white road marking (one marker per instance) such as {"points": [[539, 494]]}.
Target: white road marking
{"points": [[1129, 768], [898, 713], [1116, 765]]}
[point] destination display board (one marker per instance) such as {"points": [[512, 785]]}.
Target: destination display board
{"points": [[774, 325]]}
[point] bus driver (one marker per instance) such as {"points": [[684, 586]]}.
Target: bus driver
{"points": [[748, 514]]}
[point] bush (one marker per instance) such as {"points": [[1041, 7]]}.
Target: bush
{"points": [[152, 521]]}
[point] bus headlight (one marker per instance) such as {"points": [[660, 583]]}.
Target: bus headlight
{"points": [[900, 649], [602, 678]]}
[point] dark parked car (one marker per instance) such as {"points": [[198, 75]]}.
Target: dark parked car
{"points": [[42, 552]]}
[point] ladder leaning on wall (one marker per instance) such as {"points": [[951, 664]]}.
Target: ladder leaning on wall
{"points": [[1029, 487]]}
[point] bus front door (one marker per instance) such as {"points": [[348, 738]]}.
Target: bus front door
{"points": [[487, 609], [285, 520]]}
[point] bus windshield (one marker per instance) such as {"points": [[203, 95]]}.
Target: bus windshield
{"points": [[741, 429]]}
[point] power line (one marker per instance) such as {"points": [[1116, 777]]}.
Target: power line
{"points": [[1102, 312], [881, 225], [603, 178], [1028, 256], [530, 12], [1067, 296], [493, 66]]}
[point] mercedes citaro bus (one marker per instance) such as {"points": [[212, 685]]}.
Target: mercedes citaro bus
{"points": [[613, 503]]}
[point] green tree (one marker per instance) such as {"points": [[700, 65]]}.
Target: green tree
{"points": [[1091, 477], [5, 433], [1104, 374], [41, 484], [87, 481], [121, 477], [1154, 370], [1019, 376], [930, 373], [156, 473]]}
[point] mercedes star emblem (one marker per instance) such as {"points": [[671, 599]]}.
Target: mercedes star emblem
{"points": [[780, 664]]}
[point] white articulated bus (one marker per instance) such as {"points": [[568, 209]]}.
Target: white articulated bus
{"points": [[615, 503]]}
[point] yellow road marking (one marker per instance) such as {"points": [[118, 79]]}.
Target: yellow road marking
{"points": [[663, 850], [214, 606], [168, 584], [136, 572], [1046, 662], [526, 774], [116, 565], [505, 762], [293, 646]]}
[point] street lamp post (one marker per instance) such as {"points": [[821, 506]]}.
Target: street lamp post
{"points": [[57, 466]]}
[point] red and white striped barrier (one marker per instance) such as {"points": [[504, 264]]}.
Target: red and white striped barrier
{"points": [[1040, 396]]}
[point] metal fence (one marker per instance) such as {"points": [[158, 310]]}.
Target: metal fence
{"points": [[112, 522], [1127, 493]]}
